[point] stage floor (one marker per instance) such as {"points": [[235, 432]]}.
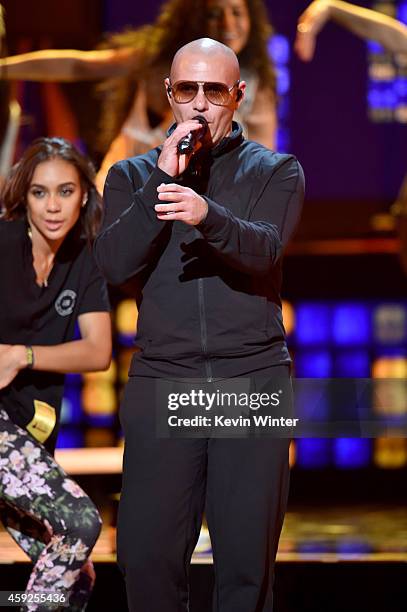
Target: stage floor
{"points": [[357, 533]]}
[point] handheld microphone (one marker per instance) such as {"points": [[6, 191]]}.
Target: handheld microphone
{"points": [[187, 144]]}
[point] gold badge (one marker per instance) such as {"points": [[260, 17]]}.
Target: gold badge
{"points": [[43, 421]]}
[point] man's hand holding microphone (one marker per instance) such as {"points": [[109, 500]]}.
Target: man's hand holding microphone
{"points": [[184, 204]]}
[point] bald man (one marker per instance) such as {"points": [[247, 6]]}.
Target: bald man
{"points": [[200, 224]]}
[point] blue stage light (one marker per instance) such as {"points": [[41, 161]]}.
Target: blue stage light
{"points": [[101, 420], [284, 107], [391, 351], [125, 340], [310, 401], [73, 379], [314, 547], [390, 98], [283, 80], [375, 98], [313, 323], [313, 452], [71, 411], [351, 324], [374, 47], [346, 546], [400, 86], [352, 364], [402, 12], [313, 364], [70, 438], [279, 49], [352, 452], [283, 139]]}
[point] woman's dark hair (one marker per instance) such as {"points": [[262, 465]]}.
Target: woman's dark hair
{"points": [[16, 185], [179, 22]]}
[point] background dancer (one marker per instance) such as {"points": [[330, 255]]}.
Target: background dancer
{"points": [[48, 282]]}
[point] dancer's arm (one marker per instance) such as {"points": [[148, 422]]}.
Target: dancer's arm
{"points": [[365, 23], [68, 64], [91, 353], [262, 121]]}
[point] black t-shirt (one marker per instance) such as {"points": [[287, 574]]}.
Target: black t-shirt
{"points": [[30, 314]]}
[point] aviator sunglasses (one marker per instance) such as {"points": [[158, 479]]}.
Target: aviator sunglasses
{"points": [[216, 93]]}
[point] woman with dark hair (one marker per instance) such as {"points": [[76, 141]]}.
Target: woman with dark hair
{"points": [[135, 113], [48, 282]]}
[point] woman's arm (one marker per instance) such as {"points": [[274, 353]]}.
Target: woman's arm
{"points": [[363, 22], [262, 121], [91, 353], [122, 147], [135, 138], [68, 64]]}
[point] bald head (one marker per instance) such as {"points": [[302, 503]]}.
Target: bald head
{"points": [[206, 50], [202, 67]]}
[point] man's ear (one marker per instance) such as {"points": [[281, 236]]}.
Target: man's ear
{"points": [[168, 87], [240, 92]]}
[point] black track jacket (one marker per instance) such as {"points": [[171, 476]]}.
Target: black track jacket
{"points": [[208, 296]]}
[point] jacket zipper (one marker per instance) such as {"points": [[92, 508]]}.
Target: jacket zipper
{"points": [[204, 335]]}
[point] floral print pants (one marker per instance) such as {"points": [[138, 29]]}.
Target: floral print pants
{"points": [[49, 516]]}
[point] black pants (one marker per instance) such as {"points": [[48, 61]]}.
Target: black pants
{"points": [[242, 484]]}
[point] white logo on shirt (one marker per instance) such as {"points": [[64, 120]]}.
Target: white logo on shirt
{"points": [[65, 302]]}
